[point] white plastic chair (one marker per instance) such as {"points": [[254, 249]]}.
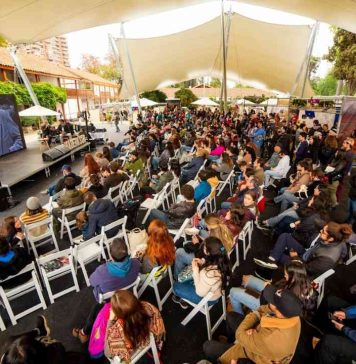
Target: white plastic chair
{"points": [[245, 236], [153, 282], [71, 223], [154, 203], [11, 294], [181, 232], [351, 260], [235, 249], [57, 273], [204, 307], [321, 283], [200, 169], [229, 181], [47, 237], [86, 252], [112, 190], [105, 296], [120, 225]]}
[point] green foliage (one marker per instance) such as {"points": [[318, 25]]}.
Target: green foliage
{"points": [[343, 55], [299, 103], [215, 82], [325, 86], [256, 99], [3, 42], [49, 95], [186, 96], [313, 66], [20, 92], [30, 120], [155, 95]]}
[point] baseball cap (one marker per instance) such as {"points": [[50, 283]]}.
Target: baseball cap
{"points": [[287, 303], [33, 203], [66, 167]]}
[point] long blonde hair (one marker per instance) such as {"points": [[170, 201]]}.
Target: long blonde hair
{"points": [[219, 230]]}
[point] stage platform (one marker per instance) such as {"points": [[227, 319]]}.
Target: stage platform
{"points": [[21, 165]]}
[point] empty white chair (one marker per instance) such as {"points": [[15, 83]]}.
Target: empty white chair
{"points": [[67, 267], [154, 203], [245, 236], [229, 181], [321, 283], [200, 169], [112, 190], [71, 221], [235, 249], [105, 296], [172, 191], [11, 294], [86, 252], [47, 236], [153, 279], [204, 307], [120, 226], [351, 260]]}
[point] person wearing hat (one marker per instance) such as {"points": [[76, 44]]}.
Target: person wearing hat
{"points": [[267, 335], [34, 213]]}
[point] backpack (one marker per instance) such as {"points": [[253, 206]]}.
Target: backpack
{"points": [[97, 337]]}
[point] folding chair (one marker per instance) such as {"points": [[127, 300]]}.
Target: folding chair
{"points": [[181, 232], [154, 203], [48, 236], [321, 283], [351, 260], [229, 181], [112, 190], [200, 169], [245, 236], [105, 296], [153, 279], [67, 268], [236, 249], [2, 325], [204, 307], [120, 225], [52, 203], [140, 353], [174, 185], [86, 252], [11, 294], [65, 212]]}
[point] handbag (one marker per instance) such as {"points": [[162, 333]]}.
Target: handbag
{"points": [[186, 274], [137, 240]]}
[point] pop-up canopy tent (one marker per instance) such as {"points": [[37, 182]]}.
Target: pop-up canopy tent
{"points": [[269, 102], [28, 21], [205, 101], [257, 51], [143, 102], [244, 102], [39, 111]]}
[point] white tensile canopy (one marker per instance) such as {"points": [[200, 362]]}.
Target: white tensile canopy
{"points": [[205, 101], [38, 110], [269, 102], [28, 21], [244, 102], [143, 102], [257, 51]]}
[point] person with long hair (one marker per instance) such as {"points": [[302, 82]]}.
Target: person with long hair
{"points": [[225, 167], [160, 247], [130, 323], [209, 275], [327, 249], [236, 218], [295, 279], [90, 167], [107, 154], [12, 230]]}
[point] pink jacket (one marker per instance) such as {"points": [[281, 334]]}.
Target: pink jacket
{"points": [[218, 150]]}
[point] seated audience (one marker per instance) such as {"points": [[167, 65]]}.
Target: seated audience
{"points": [[96, 187], [34, 213]]}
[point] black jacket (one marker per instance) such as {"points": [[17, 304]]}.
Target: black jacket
{"points": [[178, 212], [60, 184]]}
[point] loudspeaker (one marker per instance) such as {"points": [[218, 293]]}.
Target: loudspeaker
{"points": [[62, 148], [51, 155]]}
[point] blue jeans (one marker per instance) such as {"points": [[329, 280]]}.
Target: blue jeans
{"points": [[226, 205], [271, 174], [186, 290], [239, 297], [52, 190], [182, 260], [286, 199], [213, 157], [157, 214], [155, 163], [276, 219], [352, 210], [286, 243]]}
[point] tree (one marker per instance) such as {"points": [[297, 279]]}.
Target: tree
{"points": [[256, 99], [3, 42], [155, 95], [107, 70], [215, 82], [313, 66], [343, 56], [325, 86], [186, 96]]}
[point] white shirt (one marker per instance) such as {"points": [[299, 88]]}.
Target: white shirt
{"points": [[283, 165]]}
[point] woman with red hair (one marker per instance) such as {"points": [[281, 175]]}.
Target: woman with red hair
{"points": [[160, 247], [90, 167]]}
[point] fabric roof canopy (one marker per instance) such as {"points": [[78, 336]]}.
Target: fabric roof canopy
{"points": [[257, 51], [27, 21]]}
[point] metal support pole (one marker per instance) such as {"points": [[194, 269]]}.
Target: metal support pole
{"points": [[224, 56], [131, 67], [23, 75], [315, 31]]}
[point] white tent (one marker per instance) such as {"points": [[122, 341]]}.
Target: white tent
{"points": [[197, 52], [143, 102], [28, 21], [205, 101], [244, 102], [269, 102], [38, 110]]}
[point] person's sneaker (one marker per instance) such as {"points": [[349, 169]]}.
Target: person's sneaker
{"points": [[180, 302], [270, 264], [42, 326]]}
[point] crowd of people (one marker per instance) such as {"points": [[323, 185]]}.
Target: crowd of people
{"points": [[293, 183]]}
